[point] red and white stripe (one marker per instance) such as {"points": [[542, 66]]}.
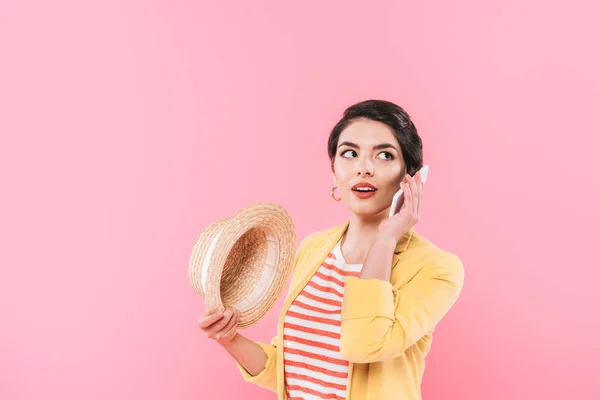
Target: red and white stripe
{"points": [[313, 366]]}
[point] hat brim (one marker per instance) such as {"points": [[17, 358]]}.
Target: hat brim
{"points": [[271, 232]]}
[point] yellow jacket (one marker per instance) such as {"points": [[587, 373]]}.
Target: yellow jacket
{"points": [[387, 327]]}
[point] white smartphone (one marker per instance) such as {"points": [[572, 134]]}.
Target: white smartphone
{"points": [[398, 199]]}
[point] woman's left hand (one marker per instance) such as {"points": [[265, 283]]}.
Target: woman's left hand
{"points": [[401, 222]]}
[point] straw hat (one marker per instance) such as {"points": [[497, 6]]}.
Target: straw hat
{"points": [[244, 261]]}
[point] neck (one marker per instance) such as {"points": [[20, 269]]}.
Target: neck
{"points": [[363, 229]]}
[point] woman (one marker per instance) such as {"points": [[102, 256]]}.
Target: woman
{"points": [[365, 296]]}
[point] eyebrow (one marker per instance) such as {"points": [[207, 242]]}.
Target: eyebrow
{"points": [[376, 147]]}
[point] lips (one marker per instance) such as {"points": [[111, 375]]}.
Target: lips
{"points": [[364, 190], [366, 187]]}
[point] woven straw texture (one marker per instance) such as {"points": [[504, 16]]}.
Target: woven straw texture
{"points": [[249, 262]]}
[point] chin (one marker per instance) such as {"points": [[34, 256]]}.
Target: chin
{"points": [[367, 210]]}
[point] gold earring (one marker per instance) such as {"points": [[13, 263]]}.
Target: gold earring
{"points": [[333, 194]]}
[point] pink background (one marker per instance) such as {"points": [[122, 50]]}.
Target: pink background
{"points": [[128, 126]]}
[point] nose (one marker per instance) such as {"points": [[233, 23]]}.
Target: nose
{"points": [[365, 168]]}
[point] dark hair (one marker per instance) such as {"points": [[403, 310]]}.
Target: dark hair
{"points": [[393, 116]]}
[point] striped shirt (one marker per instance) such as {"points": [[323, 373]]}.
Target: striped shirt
{"points": [[313, 366]]}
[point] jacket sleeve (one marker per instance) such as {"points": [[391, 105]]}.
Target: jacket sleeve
{"points": [[380, 322], [267, 378]]}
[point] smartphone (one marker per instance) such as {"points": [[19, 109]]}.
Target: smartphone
{"points": [[398, 199]]}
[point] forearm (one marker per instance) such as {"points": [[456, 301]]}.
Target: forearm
{"points": [[378, 264], [247, 353], [380, 321]]}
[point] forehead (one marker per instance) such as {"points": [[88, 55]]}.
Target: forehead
{"points": [[366, 132]]}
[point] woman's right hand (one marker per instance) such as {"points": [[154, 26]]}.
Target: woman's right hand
{"points": [[220, 326]]}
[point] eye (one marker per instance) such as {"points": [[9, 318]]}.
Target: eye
{"points": [[390, 156], [346, 152]]}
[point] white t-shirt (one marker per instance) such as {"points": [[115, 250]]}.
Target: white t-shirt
{"points": [[313, 366]]}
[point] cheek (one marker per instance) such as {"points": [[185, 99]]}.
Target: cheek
{"points": [[393, 179], [393, 172], [397, 173], [342, 172]]}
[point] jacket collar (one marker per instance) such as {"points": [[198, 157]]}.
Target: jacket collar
{"points": [[331, 237], [318, 252]]}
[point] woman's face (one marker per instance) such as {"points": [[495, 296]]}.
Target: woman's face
{"points": [[367, 152]]}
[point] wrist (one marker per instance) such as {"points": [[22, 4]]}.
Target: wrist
{"points": [[378, 264], [228, 342], [386, 239]]}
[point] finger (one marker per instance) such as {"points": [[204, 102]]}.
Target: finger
{"points": [[227, 328], [415, 194], [420, 186], [219, 325], [237, 316], [229, 334], [408, 198], [231, 327], [208, 320], [401, 198]]}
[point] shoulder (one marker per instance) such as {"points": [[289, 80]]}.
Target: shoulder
{"points": [[317, 237], [309, 242]]}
